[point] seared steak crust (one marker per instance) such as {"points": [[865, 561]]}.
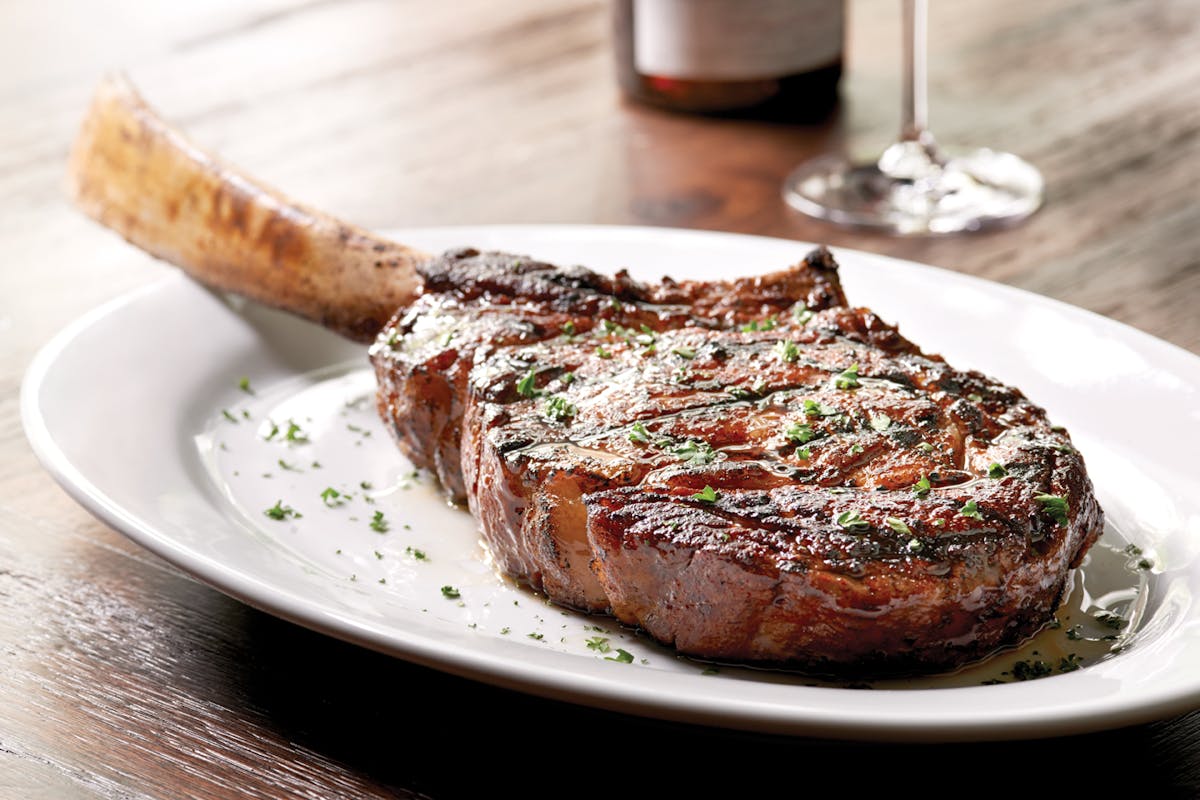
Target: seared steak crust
{"points": [[477, 304], [778, 479]]}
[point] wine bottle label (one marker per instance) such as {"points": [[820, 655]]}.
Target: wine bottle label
{"points": [[735, 39]]}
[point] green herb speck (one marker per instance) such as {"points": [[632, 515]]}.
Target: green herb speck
{"points": [[1055, 506], [852, 521], [847, 378], [598, 643], [971, 511], [281, 512]]}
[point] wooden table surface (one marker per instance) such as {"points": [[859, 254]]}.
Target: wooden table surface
{"points": [[123, 678]]}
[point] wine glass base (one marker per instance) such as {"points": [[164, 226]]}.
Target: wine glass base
{"points": [[961, 192]]}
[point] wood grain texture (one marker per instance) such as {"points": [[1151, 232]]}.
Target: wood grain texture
{"points": [[122, 678]]}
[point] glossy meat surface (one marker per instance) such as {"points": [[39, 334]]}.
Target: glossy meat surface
{"points": [[475, 305], [786, 480]]}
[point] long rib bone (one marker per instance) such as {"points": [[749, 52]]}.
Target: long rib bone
{"points": [[135, 174]]}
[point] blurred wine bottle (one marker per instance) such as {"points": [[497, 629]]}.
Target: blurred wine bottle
{"points": [[769, 59]]}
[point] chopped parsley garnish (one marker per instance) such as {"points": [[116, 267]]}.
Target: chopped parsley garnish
{"points": [[225, 413], [525, 386], [804, 453], [768, 324], [856, 449], [451, 593], [568, 328], [852, 521], [814, 409], [881, 422], [622, 656], [366, 486], [696, 453], [559, 409], [333, 498], [1055, 506], [537, 637], [378, 523], [639, 434], [1070, 663], [706, 495], [684, 352], [996, 471], [646, 338], [847, 378], [914, 546], [603, 353], [970, 510], [598, 643], [739, 392], [1111, 620], [281, 512], [897, 524], [800, 434], [801, 313], [289, 467], [925, 447], [295, 434], [419, 555], [787, 351], [273, 432], [1028, 670], [244, 385], [921, 488], [975, 398], [1075, 633]]}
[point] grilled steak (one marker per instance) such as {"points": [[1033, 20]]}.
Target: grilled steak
{"points": [[747, 470]]}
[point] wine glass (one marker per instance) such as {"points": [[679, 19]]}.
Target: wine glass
{"points": [[917, 187]]}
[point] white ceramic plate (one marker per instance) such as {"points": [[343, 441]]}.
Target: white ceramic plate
{"points": [[136, 409]]}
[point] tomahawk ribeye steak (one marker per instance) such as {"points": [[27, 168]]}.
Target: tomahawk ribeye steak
{"points": [[747, 469]]}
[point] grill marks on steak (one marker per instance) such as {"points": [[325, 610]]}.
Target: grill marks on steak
{"points": [[478, 304], [584, 452]]}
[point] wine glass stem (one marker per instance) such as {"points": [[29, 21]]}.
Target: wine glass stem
{"points": [[914, 121]]}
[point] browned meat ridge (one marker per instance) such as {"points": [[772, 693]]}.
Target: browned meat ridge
{"points": [[748, 470]]}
